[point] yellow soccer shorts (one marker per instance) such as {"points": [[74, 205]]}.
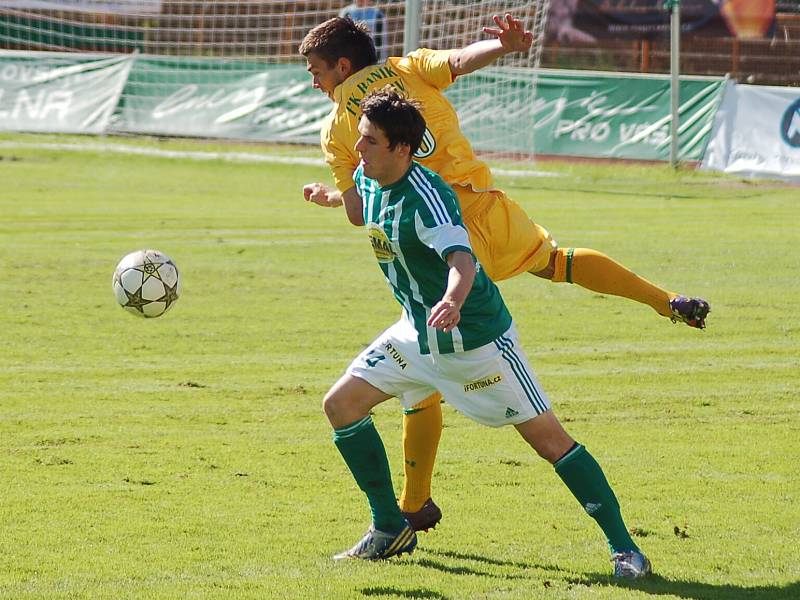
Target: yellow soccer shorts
{"points": [[503, 237]]}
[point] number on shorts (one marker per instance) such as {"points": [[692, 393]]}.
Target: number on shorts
{"points": [[376, 358]]}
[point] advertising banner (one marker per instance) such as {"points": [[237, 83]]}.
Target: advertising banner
{"points": [[59, 92], [757, 133], [579, 113], [589, 20], [576, 113], [127, 7], [216, 98]]}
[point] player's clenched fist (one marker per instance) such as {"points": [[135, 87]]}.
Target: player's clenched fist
{"points": [[321, 194]]}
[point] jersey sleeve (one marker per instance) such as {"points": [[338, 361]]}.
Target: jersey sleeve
{"points": [[444, 238], [341, 158], [433, 66], [438, 221]]}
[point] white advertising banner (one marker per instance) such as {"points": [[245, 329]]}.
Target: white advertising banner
{"points": [[126, 7], [60, 92], [756, 133]]}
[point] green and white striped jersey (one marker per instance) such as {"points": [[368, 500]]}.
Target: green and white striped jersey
{"points": [[413, 225]]}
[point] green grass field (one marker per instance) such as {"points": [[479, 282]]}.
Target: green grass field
{"points": [[188, 457]]}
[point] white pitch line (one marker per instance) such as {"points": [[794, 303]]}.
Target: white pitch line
{"points": [[524, 173], [246, 157], [237, 157]]}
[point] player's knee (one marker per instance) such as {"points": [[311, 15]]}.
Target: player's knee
{"points": [[332, 404], [545, 434], [342, 407]]}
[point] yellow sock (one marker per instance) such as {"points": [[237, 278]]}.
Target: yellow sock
{"points": [[597, 272], [422, 429]]}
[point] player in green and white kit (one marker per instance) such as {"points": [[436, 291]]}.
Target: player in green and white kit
{"points": [[414, 226], [455, 336]]}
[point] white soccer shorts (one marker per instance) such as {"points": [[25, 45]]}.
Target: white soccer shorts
{"points": [[493, 385]]}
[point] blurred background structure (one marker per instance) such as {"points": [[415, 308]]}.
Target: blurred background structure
{"points": [[230, 70], [752, 41]]}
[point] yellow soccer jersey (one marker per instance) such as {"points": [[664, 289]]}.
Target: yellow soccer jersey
{"points": [[422, 75]]}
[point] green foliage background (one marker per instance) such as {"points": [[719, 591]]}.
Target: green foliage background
{"points": [[187, 456]]}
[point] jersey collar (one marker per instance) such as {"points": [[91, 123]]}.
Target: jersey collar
{"points": [[345, 88], [400, 182]]}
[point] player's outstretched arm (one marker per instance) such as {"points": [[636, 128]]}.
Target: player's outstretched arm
{"points": [[321, 194], [509, 36], [353, 206], [446, 313]]}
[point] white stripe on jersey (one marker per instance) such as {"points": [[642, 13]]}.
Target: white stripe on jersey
{"points": [[430, 195], [390, 268], [385, 197], [369, 201], [392, 273], [458, 342]]}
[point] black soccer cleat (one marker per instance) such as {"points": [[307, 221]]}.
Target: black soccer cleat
{"points": [[425, 518], [692, 311]]}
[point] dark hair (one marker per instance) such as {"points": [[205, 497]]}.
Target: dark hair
{"points": [[341, 37], [398, 117]]}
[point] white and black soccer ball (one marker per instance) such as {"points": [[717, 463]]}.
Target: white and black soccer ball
{"points": [[146, 283]]}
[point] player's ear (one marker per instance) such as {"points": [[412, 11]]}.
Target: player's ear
{"points": [[344, 66]]}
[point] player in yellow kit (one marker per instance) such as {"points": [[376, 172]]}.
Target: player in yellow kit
{"points": [[342, 61]]}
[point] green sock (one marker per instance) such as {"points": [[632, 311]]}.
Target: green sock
{"points": [[363, 451], [583, 476]]}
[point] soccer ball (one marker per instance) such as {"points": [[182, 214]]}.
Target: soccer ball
{"points": [[146, 283]]}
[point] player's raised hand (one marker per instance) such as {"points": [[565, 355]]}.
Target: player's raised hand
{"points": [[511, 33]]}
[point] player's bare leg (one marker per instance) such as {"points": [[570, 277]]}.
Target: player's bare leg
{"points": [[585, 479], [422, 430], [347, 406], [595, 271]]}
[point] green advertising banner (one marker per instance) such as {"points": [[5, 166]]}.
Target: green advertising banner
{"points": [[216, 98], [59, 92], [575, 113], [585, 113]]}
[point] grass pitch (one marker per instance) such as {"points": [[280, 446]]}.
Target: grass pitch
{"points": [[187, 456]]}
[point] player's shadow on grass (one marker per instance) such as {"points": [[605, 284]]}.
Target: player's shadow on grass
{"points": [[415, 593], [463, 570], [656, 585], [486, 559], [439, 566]]}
